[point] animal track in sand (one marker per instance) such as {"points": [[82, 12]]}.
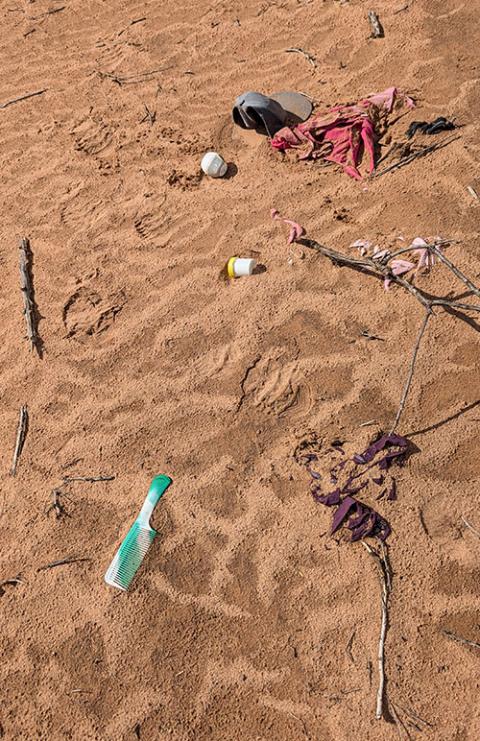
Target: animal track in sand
{"points": [[86, 313], [91, 135]]}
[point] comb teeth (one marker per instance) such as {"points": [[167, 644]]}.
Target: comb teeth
{"points": [[129, 556]]}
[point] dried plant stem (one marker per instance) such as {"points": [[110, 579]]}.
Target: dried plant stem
{"points": [[458, 273], [380, 268], [415, 155], [61, 562], [92, 479], [459, 639], [22, 97], [470, 527], [386, 586], [309, 57], [28, 294], [408, 382], [20, 440]]}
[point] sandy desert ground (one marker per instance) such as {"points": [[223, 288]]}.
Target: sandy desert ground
{"points": [[240, 622]]}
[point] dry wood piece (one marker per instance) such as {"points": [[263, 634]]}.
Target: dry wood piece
{"points": [[472, 192], [459, 639], [62, 562], [415, 155], [376, 26], [56, 504], [92, 479], [309, 57], [408, 382], [385, 576], [470, 527], [13, 580], [26, 283], [21, 435], [22, 97], [381, 268]]}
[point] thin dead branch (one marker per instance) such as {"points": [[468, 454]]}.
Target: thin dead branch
{"points": [[415, 155], [56, 504], [470, 527], [375, 25], [62, 562], [131, 79], [380, 268], [459, 639], [385, 576], [309, 57], [22, 97], [91, 479], [411, 371], [457, 273], [22, 429], [26, 284]]}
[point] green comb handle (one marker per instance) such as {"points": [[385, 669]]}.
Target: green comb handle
{"points": [[157, 488]]}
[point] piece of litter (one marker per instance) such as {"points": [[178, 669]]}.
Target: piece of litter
{"points": [[240, 266], [214, 165], [296, 230], [137, 541], [440, 124], [343, 133]]}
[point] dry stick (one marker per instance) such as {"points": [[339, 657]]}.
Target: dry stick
{"points": [[408, 382], [415, 155], [309, 57], [28, 297], [377, 30], [22, 97], [470, 527], [459, 639], [69, 479], [386, 585], [62, 562], [20, 441], [458, 273]]}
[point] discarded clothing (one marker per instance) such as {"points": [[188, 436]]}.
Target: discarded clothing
{"points": [[440, 124], [343, 133]]}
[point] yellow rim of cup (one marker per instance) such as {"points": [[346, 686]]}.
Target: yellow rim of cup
{"points": [[230, 269]]}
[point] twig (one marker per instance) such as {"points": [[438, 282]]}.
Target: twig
{"points": [[415, 155], [131, 79], [349, 647], [470, 527], [92, 479], [376, 26], [52, 11], [458, 273], [26, 285], [22, 97], [56, 504], [150, 116], [386, 586], [400, 10], [408, 382], [459, 639], [21, 435], [61, 562], [309, 57], [472, 192]]}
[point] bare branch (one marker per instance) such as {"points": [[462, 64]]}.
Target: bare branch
{"points": [[408, 382], [21, 435]]}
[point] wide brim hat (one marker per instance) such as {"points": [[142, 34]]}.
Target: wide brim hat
{"points": [[267, 115]]}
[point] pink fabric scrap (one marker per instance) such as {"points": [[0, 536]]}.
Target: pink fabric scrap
{"points": [[343, 133], [296, 231]]}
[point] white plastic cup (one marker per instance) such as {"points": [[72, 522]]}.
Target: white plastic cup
{"points": [[213, 165], [240, 266]]}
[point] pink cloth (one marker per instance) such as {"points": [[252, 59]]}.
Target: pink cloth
{"points": [[343, 133]]}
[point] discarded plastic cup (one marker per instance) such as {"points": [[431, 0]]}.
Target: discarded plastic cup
{"points": [[239, 266], [213, 165]]}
